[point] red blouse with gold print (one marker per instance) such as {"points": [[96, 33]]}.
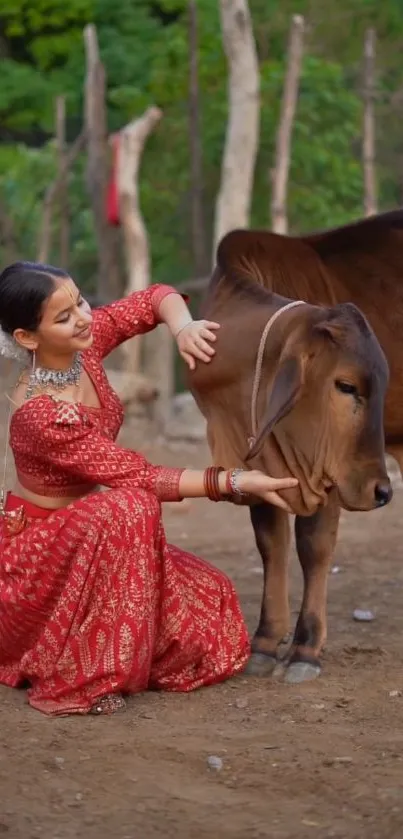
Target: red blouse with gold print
{"points": [[65, 449]]}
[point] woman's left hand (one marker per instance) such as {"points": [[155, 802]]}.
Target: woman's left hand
{"points": [[194, 339]]}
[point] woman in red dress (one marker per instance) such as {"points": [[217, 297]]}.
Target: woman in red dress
{"points": [[94, 604]]}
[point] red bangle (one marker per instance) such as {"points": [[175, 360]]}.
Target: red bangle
{"points": [[211, 484], [214, 493]]}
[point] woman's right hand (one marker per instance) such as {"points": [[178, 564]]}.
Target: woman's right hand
{"points": [[254, 482]]}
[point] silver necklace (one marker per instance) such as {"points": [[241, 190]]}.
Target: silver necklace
{"points": [[43, 377]]}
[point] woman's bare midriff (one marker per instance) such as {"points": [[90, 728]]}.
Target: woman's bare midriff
{"points": [[48, 502]]}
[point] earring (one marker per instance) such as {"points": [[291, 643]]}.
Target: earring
{"points": [[32, 383]]}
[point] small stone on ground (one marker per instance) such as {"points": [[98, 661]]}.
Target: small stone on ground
{"points": [[363, 615], [214, 762]]}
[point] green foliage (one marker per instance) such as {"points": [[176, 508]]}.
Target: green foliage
{"points": [[325, 178], [42, 55], [144, 45]]}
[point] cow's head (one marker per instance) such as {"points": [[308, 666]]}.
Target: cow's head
{"points": [[325, 411]]}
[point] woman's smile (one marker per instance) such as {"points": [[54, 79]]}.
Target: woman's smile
{"points": [[85, 333]]}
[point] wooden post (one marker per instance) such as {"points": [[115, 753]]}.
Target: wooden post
{"points": [[242, 137], [368, 140], [109, 286], [157, 347], [8, 237], [132, 139], [160, 368], [287, 115], [62, 175], [51, 196], [198, 232]]}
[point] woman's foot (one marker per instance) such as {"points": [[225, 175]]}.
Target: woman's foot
{"points": [[112, 703]]}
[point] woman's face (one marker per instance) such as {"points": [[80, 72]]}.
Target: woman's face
{"points": [[65, 325]]}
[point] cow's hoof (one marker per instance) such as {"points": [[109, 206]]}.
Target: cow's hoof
{"points": [[301, 671], [260, 664]]}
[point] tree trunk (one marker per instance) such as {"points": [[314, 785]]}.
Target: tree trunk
{"points": [[8, 237], [53, 193], [97, 166], [157, 346], [241, 143], [159, 368], [196, 174], [284, 133], [132, 140], [368, 142], [63, 177]]}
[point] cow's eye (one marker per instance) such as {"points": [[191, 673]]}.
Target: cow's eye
{"points": [[346, 387]]}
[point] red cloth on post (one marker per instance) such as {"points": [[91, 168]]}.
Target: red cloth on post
{"points": [[112, 196]]}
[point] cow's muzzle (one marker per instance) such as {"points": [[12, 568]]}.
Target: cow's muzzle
{"points": [[383, 493]]}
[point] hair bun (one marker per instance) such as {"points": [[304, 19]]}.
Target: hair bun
{"points": [[10, 349]]}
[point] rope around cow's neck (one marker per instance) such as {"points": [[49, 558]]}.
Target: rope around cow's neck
{"points": [[259, 362]]}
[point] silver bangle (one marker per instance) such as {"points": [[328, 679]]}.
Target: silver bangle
{"points": [[233, 482]]}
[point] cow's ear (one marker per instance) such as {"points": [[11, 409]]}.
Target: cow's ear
{"points": [[283, 396], [333, 330]]}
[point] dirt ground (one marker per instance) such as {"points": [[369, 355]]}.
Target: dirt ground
{"points": [[324, 759]]}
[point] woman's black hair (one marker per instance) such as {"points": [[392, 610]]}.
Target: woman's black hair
{"points": [[24, 287]]}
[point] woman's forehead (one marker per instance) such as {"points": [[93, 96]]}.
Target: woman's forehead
{"points": [[64, 296]]}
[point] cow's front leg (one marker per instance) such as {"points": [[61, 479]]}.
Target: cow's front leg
{"points": [[316, 539], [272, 535]]}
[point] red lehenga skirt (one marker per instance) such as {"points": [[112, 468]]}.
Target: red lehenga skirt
{"points": [[94, 601]]}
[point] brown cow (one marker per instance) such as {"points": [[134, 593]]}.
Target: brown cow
{"points": [[324, 418]]}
